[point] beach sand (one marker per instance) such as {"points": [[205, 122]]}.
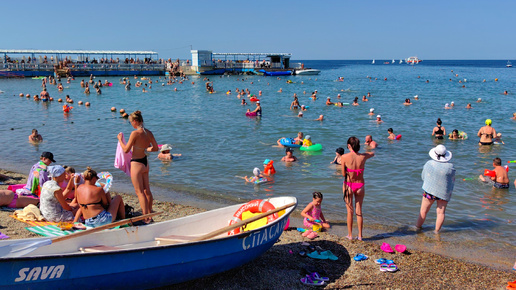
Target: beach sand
{"points": [[282, 267]]}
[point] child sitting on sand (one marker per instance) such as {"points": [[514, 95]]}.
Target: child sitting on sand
{"points": [[165, 153], [313, 216]]}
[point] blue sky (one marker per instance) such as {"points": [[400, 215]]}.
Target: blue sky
{"points": [[307, 29]]}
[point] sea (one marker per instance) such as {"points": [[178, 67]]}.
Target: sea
{"points": [[220, 145]]}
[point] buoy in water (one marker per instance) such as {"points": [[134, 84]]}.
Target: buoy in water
{"points": [[113, 109]]}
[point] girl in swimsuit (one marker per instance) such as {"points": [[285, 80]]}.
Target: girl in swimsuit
{"points": [[313, 212], [353, 164], [139, 141], [439, 131]]}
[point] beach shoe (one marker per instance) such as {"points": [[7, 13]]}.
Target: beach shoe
{"points": [[317, 255], [311, 248], [331, 256], [306, 233], [360, 257], [312, 235], [309, 281], [316, 276], [386, 248], [302, 254], [400, 248], [388, 267], [380, 261]]}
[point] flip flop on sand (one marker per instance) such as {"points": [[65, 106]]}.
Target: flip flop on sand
{"points": [[388, 267], [360, 257], [309, 281], [386, 248], [400, 248], [380, 261], [306, 233]]}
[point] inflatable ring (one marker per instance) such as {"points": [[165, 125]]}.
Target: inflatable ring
{"points": [[105, 181], [315, 147], [254, 206]]}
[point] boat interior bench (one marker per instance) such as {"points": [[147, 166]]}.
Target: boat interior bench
{"points": [[99, 248], [174, 239]]}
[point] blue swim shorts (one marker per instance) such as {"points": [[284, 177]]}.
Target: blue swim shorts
{"points": [[101, 219]]}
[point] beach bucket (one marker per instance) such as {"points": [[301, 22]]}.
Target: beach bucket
{"points": [[316, 228]]}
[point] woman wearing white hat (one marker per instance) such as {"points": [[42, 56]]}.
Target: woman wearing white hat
{"points": [[438, 180], [258, 109], [53, 205]]}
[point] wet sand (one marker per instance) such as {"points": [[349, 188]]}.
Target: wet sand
{"points": [[282, 267]]}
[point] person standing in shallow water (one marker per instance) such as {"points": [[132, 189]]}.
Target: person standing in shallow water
{"points": [[141, 140], [353, 164], [438, 180]]}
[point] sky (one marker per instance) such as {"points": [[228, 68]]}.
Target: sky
{"points": [[308, 29]]}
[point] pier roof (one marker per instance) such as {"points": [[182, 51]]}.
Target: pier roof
{"points": [[101, 52]]}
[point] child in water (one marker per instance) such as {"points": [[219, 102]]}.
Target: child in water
{"points": [[257, 176], [313, 215], [308, 141]]}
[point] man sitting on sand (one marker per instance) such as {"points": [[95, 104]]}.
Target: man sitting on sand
{"points": [[499, 179]]}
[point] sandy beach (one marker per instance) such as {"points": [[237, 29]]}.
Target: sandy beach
{"points": [[282, 267]]}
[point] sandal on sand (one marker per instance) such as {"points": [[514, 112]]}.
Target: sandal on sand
{"points": [[400, 248], [312, 235], [306, 233], [360, 257], [309, 281], [380, 261], [386, 248], [388, 267], [316, 276]]}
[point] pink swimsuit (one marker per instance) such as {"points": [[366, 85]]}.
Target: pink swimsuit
{"points": [[354, 185], [316, 214]]}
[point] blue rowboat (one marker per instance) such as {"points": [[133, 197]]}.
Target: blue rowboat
{"points": [[144, 257], [289, 142]]}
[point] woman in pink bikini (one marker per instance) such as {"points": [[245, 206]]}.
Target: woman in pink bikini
{"points": [[353, 186]]}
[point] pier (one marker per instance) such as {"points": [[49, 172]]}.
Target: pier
{"points": [[32, 63]]}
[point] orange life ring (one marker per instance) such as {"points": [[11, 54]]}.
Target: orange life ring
{"points": [[254, 206]]}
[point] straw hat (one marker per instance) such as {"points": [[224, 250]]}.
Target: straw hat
{"points": [[166, 147], [440, 154]]}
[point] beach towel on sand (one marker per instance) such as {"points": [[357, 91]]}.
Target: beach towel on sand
{"points": [[49, 231], [123, 160]]}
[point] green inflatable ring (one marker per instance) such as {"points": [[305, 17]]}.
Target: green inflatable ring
{"points": [[315, 147]]}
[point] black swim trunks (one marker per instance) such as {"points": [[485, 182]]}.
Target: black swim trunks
{"points": [[141, 160]]}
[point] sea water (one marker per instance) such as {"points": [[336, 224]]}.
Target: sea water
{"points": [[220, 145]]}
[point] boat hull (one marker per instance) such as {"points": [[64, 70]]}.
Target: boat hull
{"points": [[144, 268], [307, 72]]}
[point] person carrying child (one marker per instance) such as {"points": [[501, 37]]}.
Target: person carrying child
{"points": [[313, 216], [498, 176]]}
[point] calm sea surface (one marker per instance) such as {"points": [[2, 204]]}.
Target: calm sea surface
{"points": [[220, 145]]}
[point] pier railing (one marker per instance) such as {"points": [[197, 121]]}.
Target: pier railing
{"points": [[84, 67]]}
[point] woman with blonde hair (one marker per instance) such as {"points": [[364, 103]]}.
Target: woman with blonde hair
{"points": [[141, 140]]}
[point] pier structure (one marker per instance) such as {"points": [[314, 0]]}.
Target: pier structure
{"points": [[32, 63], [206, 62]]}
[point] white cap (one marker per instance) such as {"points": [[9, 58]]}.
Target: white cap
{"points": [[378, 116], [257, 102], [453, 102], [371, 110]]}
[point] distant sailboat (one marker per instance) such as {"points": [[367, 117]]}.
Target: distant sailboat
{"points": [[393, 61], [372, 62], [401, 61], [509, 64]]}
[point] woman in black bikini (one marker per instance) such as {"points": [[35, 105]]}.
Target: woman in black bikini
{"points": [[439, 131], [140, 140], [486, 134]]}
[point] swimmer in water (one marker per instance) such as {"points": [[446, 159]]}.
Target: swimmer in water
{"points": [[355, 102], [391, 134], [439, 131], [455, 135], [501, 179], [379, 119], [447, 106], [468, 106], [257, 175], [407, 102], [338, 154], [165, 154], [479, 100], [298, 140], [329, 102], [371, 112], [370, 142], [289, 157], [321, 118], [35, 137], [513, 116], [486, 133]]}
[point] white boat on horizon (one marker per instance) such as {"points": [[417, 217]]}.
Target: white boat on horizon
{"points": [[393, 61], [401, 61], [509, 64], [413, 60], [372, 62]]}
